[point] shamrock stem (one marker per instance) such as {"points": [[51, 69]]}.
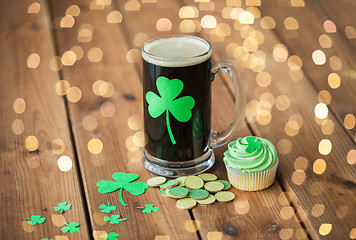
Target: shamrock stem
{"points": [[169, 129], [120, 198]]}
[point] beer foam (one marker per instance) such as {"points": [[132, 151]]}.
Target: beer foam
{"points": [[176, 51]]}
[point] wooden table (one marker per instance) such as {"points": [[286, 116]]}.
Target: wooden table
{"points": [[70, 86]]}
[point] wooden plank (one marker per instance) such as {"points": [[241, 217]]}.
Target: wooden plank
{"points": [[226, 220], [304, 41], [342, 14], [309, 191], [113, 131], [32, 183]]}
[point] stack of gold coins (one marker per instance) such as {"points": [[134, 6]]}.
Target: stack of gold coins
{"points": [[203, 189]]}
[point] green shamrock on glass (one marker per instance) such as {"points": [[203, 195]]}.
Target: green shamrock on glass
{"points": [[180, 108]]}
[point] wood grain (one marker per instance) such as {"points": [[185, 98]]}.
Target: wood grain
{"points": [[113, 131], [32, 183], [303, 97], [228, 220], [304, 41]]}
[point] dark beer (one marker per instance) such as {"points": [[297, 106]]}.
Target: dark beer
{"points": [[187, 60]]}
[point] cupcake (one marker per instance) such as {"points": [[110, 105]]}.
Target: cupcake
{"points": [[251, 163]]}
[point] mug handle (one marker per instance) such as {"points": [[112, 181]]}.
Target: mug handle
{"points": [[218, 139]]}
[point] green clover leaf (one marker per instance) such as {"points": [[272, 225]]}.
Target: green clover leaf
{"points": [[62, 206], [114, 219], [180, 108], [72, 227], [108, 208], [110, 236], [122, 181], [149, 208], [253, 144], [47, 239], [35, 219]]}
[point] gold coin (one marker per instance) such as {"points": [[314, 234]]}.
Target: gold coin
{"points": [[169, 184], [177, 192], [156, 181], [214, 186], [207, 201], [186, 203], [181, 181], [207, 177], [194, 182], [224, 196]]}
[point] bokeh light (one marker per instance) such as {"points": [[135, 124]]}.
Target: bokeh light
{"points": [[31, 143], [301, 163], [297, 3], [164, 25], [282, 102], [325, 41], [349, 121], [95, 146], [263, 79], [33, 60], [107, 109], [57, 146], [290, 23], [69, 58], [280, 53], [188, 12], [287, 212], [19, 105], [58, 220], [335, 63], [241, 205], [351, 157], [298, 177], [319, 57], [327, 127], [74, 94], [294, 62], [329, 26], [286, 233], [325, 229], [324, 96], [319, 166], [246, 18], [133, 55], [321, 111], [17, 126], [350, 32], [284, 146], [318, 210], [34, 8], [67, 21], [89, 123], [264, 117], [334, 80], [135, 122], [296, 75], [140, 38], [325, 146], [208, 21], [95, 54], [73, 10], [114, 17], [132, 5], [267, 23], [140, 139], [316, 188], [191, 225], [342, 211], [64, 163], [55, 64]]}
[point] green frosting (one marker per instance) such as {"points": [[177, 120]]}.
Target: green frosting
{"points": [[250, 154]]}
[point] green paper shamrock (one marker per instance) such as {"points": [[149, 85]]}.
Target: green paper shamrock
{"points": [[35, 219], [72, 227], [62, 206], [111, 236], [108, 208], [114, 219], [47, 239], [252, 144], [149, 208], [123, 181], [180, 108]]}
